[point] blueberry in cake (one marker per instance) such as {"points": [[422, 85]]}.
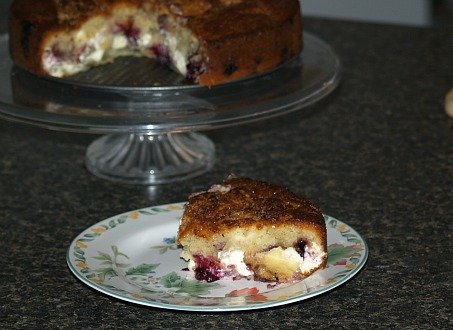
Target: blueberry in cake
{"points": [[246, 228], [207, 41]]}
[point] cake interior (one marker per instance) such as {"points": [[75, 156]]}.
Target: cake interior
{"points": [[269, 253], [126, 31]]}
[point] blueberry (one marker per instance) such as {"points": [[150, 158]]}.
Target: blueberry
{"points": [[300, 247], [230, 68]]}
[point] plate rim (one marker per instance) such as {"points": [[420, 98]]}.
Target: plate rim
{"points": [[210, 308]]}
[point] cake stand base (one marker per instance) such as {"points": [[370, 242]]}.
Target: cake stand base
{"points": [[147, 159]]}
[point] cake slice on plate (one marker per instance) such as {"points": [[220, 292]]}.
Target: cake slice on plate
{"points": [[246, 228]]}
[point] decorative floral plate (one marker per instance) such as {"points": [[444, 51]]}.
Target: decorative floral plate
{"points": [[133, 257]]}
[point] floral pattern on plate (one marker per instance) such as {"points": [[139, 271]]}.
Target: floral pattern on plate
{"points": [[134, 257]]}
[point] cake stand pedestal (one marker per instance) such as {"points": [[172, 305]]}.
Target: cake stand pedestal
{"points": [[141, 158]]}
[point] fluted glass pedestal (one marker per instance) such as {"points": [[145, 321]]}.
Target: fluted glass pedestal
{"points": [[150, 159]]}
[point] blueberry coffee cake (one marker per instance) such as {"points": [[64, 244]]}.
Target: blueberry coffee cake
{"points": [[207, 41]]}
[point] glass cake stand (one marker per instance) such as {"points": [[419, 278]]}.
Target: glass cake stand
{"points": [[150, 122]]}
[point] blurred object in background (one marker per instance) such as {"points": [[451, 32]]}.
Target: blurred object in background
{"points": [[449, 103]]}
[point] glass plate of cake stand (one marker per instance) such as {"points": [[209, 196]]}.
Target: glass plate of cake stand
{"points": [[150, 117]]}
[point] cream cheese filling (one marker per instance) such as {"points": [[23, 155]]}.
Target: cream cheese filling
{"points": [[310, 260], [101, 40], [235, 258]]}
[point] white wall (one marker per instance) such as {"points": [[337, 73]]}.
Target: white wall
{"points": [[406, 12]]}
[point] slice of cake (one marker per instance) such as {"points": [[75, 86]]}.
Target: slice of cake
{"points": [[207, 41], [246, 228]]}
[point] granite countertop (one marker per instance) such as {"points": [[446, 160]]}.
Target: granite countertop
{"points": [[377, 154]]}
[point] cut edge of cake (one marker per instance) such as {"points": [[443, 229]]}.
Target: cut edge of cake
{"points": [[125, 31]]}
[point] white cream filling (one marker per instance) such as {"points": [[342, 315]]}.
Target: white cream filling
{"points": [[229, 259], [92, 53], [145, 40], [312, 258], [219, 188], [306, 262], [235, 258], [191, 265], [180, 46], [106, 44], [119, 41], [180, 62]]}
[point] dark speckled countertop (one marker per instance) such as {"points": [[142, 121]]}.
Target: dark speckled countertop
{"points": [[377, 154]]}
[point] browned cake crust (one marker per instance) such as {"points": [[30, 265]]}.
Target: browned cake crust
{"points": [[237, 38], [248, 204]]}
